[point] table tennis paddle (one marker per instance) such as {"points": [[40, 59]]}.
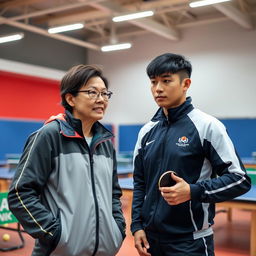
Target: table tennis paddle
{"points": [[166, 180]]}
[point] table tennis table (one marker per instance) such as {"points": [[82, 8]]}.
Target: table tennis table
{"points": [[246, 202], [124, 170], [6, 175]]}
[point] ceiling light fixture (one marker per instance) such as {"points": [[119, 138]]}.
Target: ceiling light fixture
{"points": [[115, 47], [60, 29], [132, 16], [11, 37], [206, 2]]}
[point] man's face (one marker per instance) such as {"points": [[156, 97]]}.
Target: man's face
{"points": [[168, 90]]}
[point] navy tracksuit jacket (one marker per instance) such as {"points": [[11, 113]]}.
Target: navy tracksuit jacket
{"points": [[197, 147]]}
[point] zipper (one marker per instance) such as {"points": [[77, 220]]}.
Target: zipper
{"points": [[94, 195], [96, 206], [162, 153]]}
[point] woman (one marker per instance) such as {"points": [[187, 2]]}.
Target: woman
{"points": [[65, 192]]}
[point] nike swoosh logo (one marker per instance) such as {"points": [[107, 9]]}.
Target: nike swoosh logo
{"points": [[147, 143]]}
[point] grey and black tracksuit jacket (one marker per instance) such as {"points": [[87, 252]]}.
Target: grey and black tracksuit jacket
{"points": [[197, 147], [66, 194]]}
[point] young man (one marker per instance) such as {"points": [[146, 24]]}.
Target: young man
{"points": [[65, 192], [177, 220]]}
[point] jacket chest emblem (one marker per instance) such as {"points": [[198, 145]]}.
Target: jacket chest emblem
{"points": [[182, 142]]}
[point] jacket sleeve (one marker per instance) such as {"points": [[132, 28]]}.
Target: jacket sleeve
{"points": [[229, 178], [116, 202], [27, 186], [139, 190]]}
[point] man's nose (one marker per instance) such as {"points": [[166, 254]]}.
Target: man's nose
{"points": [[159, 86]]}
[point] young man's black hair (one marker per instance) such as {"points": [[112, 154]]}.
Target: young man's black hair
{"points": [[170, 63]]}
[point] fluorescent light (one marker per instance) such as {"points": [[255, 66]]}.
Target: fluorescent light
{"points": [[12, 37], [65, 28], [115, 47], [132, 16], [206, 2]]}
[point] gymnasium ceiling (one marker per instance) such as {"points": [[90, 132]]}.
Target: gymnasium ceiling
{"points": [[171, 16]]}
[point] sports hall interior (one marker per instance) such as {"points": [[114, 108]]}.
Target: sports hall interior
{"points": [[218, 39]]}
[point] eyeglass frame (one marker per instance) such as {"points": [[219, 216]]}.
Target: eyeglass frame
{"points": [[108, 94]]}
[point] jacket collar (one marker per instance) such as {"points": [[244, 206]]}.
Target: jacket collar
{"points": [[76, 124], [72, 127], [174, 114], [67, 125]]}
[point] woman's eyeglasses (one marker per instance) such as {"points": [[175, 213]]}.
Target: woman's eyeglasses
{"points": [[106, 95]]}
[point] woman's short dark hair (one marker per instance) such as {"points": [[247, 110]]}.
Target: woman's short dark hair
{"points": [[169, 63], [77, 77]]}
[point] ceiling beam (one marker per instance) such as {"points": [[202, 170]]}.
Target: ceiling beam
{"points": [[159, 4], [162, 7], [18, 3], [243, 5], [92, 16], [56, 9], [241, 18], [141, 5], [45, 33], [157, 28], [132, 32], [146, 23], [72, 18]]}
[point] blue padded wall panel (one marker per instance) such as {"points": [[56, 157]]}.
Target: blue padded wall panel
{"points": [[242, 132], [127, 137], [13, 135]]}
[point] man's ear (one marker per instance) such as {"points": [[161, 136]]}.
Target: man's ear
{"points": [[186, 84], [70, 99]]}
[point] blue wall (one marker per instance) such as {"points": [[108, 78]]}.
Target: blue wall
{"points": [[128, 137], [13, 135], [242, 132]]}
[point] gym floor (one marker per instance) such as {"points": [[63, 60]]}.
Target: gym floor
{"points": [[231, 238]]}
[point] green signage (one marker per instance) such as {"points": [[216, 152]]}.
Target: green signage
{"points": [[6, 215]]}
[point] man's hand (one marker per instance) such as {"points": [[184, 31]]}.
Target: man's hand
{"points": [[177, 194], [141, 243]]}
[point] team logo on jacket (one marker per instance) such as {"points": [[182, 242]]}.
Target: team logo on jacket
{"points": [[182, 142]]}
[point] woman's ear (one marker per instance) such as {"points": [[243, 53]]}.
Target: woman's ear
{"points": [[70, 99]]}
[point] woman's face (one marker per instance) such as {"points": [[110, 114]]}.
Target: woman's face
{"points": [[91, 101]]}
